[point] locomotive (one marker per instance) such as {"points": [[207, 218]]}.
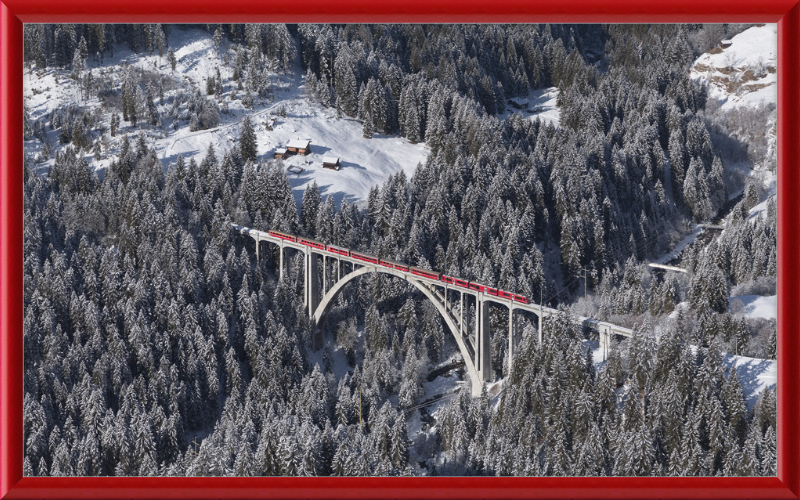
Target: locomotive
{"points": [[424, 273]]}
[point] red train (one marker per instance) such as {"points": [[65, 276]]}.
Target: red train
{"points": [[424, 273]]}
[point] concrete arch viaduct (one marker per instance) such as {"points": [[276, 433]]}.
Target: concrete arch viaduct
{"points": [[475, 349]]}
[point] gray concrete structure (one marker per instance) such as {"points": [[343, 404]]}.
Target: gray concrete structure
{"points": [[476, 350]]}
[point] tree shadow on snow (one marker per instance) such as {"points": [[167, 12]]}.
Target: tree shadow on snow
{"points": [[748, 373]]}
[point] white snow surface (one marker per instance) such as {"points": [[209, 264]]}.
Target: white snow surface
{"points": [[754, 374], [726, 71], [543, 105], [757, 306], [758, 209], [771, 186], [298, 143]]}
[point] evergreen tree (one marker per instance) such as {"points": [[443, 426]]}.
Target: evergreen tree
{"points": [[366, 130], [248, 149], [309, 207], [173, 61]]}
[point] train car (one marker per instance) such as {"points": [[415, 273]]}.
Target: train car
{"points": [[455, 281], [521, 299], [393, 265], [483, 288], [338, 251], [424, 273], [283, 236], [365, 257], [505, 295], [311, 243]]}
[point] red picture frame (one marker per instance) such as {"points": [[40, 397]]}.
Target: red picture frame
{"points": [[15, 12]]}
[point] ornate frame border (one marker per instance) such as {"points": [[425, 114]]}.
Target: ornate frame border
{"points": [[14, 12]]}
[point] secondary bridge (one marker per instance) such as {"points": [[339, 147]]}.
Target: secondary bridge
{"points": [[473, 338]]}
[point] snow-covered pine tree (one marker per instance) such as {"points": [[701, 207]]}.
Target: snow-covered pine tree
{"points": [[309, 207], [248, 148], [173, 61], [366, 130]]}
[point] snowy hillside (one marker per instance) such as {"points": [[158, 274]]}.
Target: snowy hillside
{"points": [[364, 162], [741, 75], [745, 72]]}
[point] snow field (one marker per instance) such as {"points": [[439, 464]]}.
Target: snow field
{"points": [[744, 73]]}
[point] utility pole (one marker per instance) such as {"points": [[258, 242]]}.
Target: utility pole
{"points": [[584, 283], [359, 403], [541, 311]]}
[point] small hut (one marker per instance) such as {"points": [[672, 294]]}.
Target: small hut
{"points": [[725, 43], [519, 102], [299, 147], [281, 153], [330, 162]]}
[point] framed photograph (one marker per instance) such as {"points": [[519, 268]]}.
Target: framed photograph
{"points": [[572, 229]]}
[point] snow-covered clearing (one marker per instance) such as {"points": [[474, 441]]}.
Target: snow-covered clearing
{"points": [[539, 103], [543, 104], [364, 162], [754, 374], [757, 306]]}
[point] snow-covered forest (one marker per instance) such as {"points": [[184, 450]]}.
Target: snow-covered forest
{"points": [[552, 161]]}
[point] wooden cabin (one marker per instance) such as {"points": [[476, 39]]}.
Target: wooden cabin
{"points": [[281, 153], [725, 43], [519, 102], [330, 162], [299, 147]]}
